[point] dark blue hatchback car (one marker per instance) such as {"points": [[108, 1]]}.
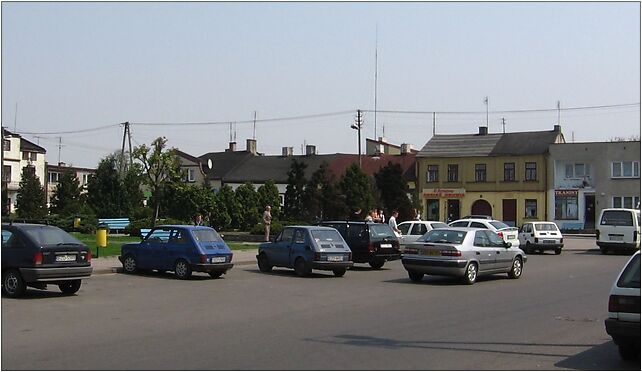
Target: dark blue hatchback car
{"points": [[178, 248]]}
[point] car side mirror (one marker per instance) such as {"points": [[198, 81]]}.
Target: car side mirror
{"points": [[508, 244]]}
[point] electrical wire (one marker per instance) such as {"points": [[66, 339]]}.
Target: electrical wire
{"points": [[302, 117], [507, 111]]}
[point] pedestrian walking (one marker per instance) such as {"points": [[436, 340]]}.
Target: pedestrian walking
{"points": [[416, 214], [267, 221], [393, 223], [371, 216], [198, 220]]}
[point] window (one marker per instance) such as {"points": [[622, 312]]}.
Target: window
{"points": [[526, 228], [480, 172], [460, 224], [433, 173], [191, 175], [54, 176], [32, 156], [509, 171], [478, 225], [530, 208], [566, 207], [6, 173], [158, 236], [286, 235], [626, 202], [625, 169], [531, 171], [453, 173], [481, 239], [299, 237], [6, 145], [577, 170], [85, 179], [419, 229], [404, 227], [433, 209]]}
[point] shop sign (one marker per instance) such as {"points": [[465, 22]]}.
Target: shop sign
{"points": [[444, 193], [565, 192]]}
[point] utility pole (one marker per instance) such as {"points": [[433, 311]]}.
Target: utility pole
{"points": [[503, 125], [126, 134], [376, 75], [434, 123], [59, 148], [357, 125], [486, 102]]}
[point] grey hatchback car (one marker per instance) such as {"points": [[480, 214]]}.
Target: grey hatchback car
{"points": [[462, 252]]}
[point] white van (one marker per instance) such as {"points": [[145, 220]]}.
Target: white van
{"points": [[618, 230]]}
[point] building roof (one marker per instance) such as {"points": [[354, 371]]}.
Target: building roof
{"points": [[187, 156], [372, 164], [467, 145], [222, 162], [26, 145], [63, 168], [276, 168]]}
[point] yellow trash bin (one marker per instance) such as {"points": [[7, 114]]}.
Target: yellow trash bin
{"points": [[76, 222], [101, 235]]}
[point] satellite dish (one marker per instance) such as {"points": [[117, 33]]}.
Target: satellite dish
{"points": [[209, 163]]}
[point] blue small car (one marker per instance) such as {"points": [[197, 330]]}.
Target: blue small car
{"points": [[178, 248], [304, 248]]}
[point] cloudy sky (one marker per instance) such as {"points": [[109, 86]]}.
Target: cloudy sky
{"points": [[185, 70]]}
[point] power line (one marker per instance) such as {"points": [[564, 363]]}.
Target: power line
{"points": [[227, 122], [70, 131], [507, 111]]}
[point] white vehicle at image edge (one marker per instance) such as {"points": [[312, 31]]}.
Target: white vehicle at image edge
{"points": [[623, 323], [618, 230], [509, 234], [413, 230], [540, 236]]}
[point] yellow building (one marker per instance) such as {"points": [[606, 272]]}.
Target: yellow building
{"points": [[501, 175]]}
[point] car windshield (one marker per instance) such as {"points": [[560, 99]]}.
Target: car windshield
{"points": [[327, 236], [381, 231], [444, 236], [499, 225], [206, 235], [617, 218], [50, 235], [438, 225], [545, 227], [630, 277]]}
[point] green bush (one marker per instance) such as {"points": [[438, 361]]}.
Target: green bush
{"points": [[146, 223], [87, 223]]}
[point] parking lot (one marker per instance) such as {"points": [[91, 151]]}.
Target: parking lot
{"points": [[551, 318]]}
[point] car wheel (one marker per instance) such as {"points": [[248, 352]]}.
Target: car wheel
{"points": [[558, 250], [216, 274], [182, 270], [516, 270], [129, 264], [264, 263], [300, 268], [415, 276], [376, 263], [12, 284], [603, 250], [339, 272], [70, 287], [629, 352], [471, 273], [528, 248]]}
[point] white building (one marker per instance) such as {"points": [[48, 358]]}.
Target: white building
{"points": [[18, 153]]}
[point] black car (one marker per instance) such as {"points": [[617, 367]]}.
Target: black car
{"points": [[36, 255], [374, 243]]}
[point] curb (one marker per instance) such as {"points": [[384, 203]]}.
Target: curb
{"points": [[119, 269]]}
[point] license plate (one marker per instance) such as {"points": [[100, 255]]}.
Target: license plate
{"points": [[616, 237], [335, 258], [386, 245], [510, 237], [218, 259], [66, 258], [549, 241], [431, 253]]}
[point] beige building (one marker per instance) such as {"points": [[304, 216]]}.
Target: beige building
{"points": [[54, 172]]}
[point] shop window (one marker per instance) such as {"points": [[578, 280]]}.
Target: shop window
{"points": [[530, 207], [566, 207]]}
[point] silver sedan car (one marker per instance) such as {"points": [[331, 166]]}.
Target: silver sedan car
{"points": [[463, 252]]}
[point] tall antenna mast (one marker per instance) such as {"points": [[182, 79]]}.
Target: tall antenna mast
{"points": [[559, 107], [230, 131], [59, 147], [434, 124], [486, 102], [15, 119], [254, 133], [376, 76]]}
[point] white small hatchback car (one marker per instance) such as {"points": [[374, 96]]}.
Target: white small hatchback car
{"points": [[541, 236], [509, 234]]}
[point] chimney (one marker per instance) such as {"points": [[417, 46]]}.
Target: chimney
{"points": [[483, 131], [557, 128], [286, 151], [251, 146], [310, 150], [232, 147], [406, 148]]}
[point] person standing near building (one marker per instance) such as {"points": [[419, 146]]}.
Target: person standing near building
{"points": [[392, 221], [267, 221]]}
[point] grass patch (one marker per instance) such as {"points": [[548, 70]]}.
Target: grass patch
{"points": [[115, 242]]}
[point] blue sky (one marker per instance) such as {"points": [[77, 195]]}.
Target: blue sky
{"points": [[84, 65]]}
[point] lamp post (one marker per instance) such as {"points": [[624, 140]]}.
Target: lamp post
{"points": [[357, 126]]}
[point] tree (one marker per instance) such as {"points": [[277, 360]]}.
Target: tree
{"points": [[321, 197], [247, 197], [66, 199], [294, 191], [160, 168], [5, 200], [356, 187], [132, 197], [105, 191], [394, 190], [268, 194], [227, 213], [30, 202], [187, 201]]}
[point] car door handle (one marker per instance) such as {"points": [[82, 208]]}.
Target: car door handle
{"points": [[477, 253], [497, 252]]}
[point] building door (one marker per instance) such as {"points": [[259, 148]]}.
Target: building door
{"points": [[589, 212], [509, 212], [481, 207], [452, 210]]}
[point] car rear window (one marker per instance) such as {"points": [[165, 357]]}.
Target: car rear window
{"points": [[381, 231], [206, 235], [630, 277], [438, 225], [329, 236], [545, 227], [499, 225], [617, 218], [50, 235], [445, 236]]}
